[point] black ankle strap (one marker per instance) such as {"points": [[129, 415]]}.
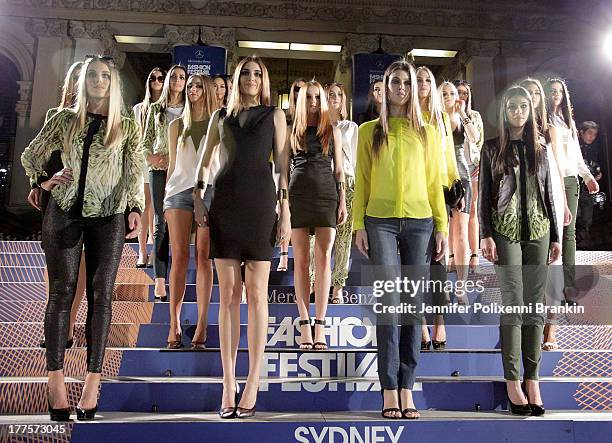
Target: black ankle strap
{"points": [[319, 322], [284, 253], [304, 322]]}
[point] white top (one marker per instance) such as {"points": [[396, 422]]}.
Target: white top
{"points": [[349, 146], [185, 167], [570, 155]]}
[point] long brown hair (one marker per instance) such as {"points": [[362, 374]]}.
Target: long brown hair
{"points": [[342, 113], [165, 95], [540, 110], [412, 110], [209, 103], [146, 102], [293, 97], [506, 158], [325, 130], [235, 103], [567, 111]]}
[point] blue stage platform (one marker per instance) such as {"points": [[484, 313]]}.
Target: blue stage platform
{"points": [[152, 394]]}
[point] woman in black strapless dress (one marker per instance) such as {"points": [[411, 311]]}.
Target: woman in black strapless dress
{"points": [[317, 202], [242, 219]]}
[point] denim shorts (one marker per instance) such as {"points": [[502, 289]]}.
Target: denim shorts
{"points": [[182, 200]]}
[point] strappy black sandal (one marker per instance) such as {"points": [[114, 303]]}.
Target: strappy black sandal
{"points": [[283, 268], [319, 345], [305, 346]]}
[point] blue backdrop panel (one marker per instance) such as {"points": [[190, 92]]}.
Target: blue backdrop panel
{"points": [[209, 60]]}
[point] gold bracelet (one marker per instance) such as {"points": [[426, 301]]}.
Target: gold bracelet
{"points": [[283, 194], [340, 186]]}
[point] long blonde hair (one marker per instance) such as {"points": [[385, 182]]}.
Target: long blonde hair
{"points": [[342, 112], [235, 103], [114, 133], [69, 87], [412, 110], [433, 102], [209, 103], [165, 95], [325, 130], [146, 102], [293, 97]]}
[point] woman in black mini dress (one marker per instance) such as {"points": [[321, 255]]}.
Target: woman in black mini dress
{"points": [[317, 202], [243, 219]]}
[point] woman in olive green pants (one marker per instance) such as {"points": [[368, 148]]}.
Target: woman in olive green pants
{"points": [[517, 224]]}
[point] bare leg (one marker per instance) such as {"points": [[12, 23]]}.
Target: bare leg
{"points": [[460, 221], [283, 261], [324, 241], [473, 226], [230, 285], [91, 388], [204, 283], [58, 398], [533, 391], [179, 228], [256, 281], [515, 393], [301, 279]]}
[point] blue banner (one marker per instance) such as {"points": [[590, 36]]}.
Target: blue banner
{"points": [[367, 68], [208, 60]]}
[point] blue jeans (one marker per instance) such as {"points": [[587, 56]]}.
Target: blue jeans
{"points": [[394, 242]]}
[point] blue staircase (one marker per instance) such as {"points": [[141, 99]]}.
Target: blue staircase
{"points": [[153, 394]]}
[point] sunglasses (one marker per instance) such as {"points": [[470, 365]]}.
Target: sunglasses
{"points": [[159, 78]]}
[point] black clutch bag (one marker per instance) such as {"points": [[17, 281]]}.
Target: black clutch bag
{"points": [[454, 194]]}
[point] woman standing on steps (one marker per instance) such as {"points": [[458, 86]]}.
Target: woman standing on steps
{"points": [[153, 89], [283, 262], [317, 198], [567, 150], [464, 132], [431, 107], [242, 219], [472, 156], [154, 144], [336, 96], [186, 136], [517, 226], [554, 285], [398, 202], [39, 197], [101, 180]]}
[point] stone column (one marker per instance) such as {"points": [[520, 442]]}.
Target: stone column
{"points": [[36, 97], [480, 73], [515, 61]]}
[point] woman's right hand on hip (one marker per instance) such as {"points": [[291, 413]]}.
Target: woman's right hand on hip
{"points": [[62, 177]]}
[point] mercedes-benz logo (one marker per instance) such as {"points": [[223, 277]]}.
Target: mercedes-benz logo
{"points": [[199, 53]]}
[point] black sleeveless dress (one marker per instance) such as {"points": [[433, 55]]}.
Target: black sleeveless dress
{"points": [[243, 209], [313, 199]]}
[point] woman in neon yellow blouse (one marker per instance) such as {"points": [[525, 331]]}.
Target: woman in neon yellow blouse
{"points": [[398, 202]]}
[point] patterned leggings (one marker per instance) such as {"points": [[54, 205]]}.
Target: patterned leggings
{"points": [[342, 244]]}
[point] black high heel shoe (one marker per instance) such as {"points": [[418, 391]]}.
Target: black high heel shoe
{"points": [[439, 345], [305, 346], [245, 412], [319, 345], [425, 345], [57, 414], [230, 411], [517, 409], [86, 414], [536, 410]]}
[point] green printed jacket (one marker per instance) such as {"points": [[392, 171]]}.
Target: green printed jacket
{"points": [[114, 176]]}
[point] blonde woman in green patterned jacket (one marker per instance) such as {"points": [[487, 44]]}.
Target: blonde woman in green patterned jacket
{"points": [[99, 183], [154, 144]]}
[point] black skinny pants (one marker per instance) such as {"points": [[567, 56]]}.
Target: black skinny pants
{"points": [[63, 237]]}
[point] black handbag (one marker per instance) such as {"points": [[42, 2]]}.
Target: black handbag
{"points": [[454, 194]]}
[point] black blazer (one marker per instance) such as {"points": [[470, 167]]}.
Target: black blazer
{"points": [[495, 190]]}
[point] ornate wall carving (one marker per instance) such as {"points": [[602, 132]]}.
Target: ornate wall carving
{"points": [[22, 107], [98, 31]]}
